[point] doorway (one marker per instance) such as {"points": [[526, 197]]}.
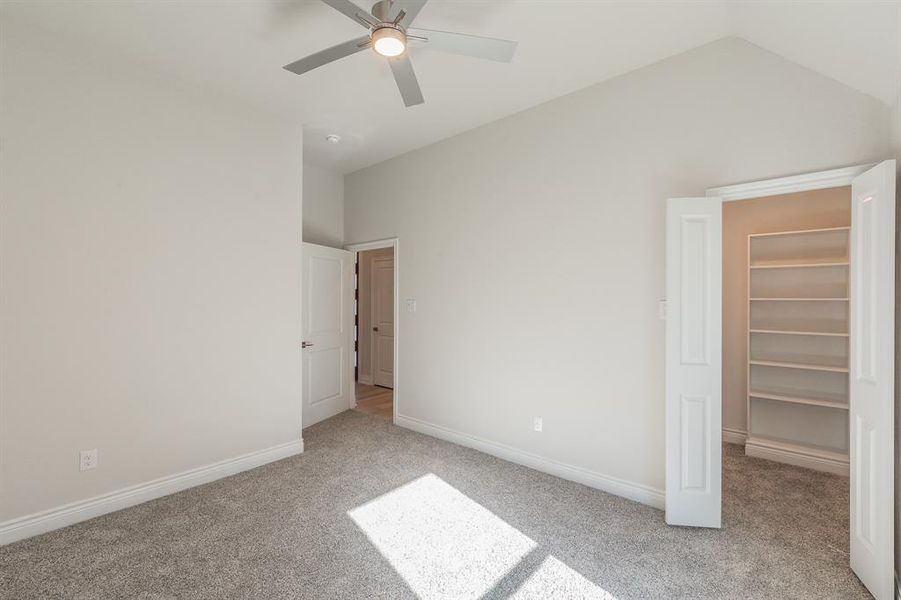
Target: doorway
{"points": [[785, 327], [375, 321], [785, 372], [825, 283]]}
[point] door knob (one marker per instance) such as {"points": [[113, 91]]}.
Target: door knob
{"points": [[375, 328], [306, 344]]}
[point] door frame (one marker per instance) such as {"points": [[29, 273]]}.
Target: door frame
{"points": [[375, 245], [784, 185], [804, 182]]}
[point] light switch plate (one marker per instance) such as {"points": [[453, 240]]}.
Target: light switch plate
{"points": [[411, 305]]}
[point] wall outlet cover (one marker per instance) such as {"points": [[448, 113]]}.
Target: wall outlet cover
{"points": [[87, 459], [538, 424]]}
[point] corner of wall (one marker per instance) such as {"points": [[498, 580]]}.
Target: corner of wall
{"points": [[895, 136], [323, 206]]}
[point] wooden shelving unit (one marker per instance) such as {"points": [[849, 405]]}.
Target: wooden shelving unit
{"points": [[798, 347]]}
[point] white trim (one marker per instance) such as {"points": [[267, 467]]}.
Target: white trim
{"points": [[69, 514], [620, 487], [808, 458], [734, 436], [787, 185], [375, 245]]}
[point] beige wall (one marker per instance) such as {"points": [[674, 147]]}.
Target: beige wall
{"points": [[789, 212], [364, 346], [150, 285], [323, 207], [534, 245]]}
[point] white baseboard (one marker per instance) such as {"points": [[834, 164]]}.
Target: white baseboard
{"points": [[799, 456], [69, 514], [734, 436], [613, 485]]}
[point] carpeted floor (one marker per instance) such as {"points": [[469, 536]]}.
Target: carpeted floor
{"points": [[375, 511]]}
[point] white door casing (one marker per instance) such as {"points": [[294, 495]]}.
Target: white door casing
{"points": [[327, 313], [694, 361], [383, 321], [872, 331]]}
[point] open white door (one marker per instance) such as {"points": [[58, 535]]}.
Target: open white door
{"points": [[327, 332], [694, 275], [872, 306]]}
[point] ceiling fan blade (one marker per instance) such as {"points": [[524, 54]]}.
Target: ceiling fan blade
{"points": [[467, 45], [328, 55], [350, 9], [411, 8], [402, 69]]}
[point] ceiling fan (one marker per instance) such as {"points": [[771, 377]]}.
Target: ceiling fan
{"points": [[390, 35]]}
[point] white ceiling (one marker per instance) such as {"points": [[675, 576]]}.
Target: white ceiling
{"points": [[239, 48]]}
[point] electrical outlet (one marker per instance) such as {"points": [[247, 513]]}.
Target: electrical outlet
{"points": [[87, 459], [538, 424]]}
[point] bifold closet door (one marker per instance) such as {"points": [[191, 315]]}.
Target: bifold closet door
{"points": [[694, 237], [872, 338]]}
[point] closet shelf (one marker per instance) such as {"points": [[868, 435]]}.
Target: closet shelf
{"points": [[798, 264], [797, 369], [798, 399], [794, 322], [799, 299], [798, 365], [799, 332], [799, 232]]}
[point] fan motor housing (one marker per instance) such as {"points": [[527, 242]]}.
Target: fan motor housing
{"points": [[381, 10]]}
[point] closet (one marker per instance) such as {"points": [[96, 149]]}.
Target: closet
{"points": [[797, 345], [785, 327]]}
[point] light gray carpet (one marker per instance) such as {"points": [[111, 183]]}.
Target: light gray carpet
{"points": [[448, 522]]}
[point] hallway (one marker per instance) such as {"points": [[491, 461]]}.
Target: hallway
{"points": [[376, 401]]}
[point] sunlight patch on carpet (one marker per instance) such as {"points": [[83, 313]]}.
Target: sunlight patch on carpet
{"points": [[442, 543], [554, 579]]}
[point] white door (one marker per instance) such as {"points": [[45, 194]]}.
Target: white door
{"points": [[383, 321], [872, 305], [327, 332], [693, 361]]}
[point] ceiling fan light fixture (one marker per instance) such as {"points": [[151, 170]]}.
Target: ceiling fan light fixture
{"points": [[389, 41], [387, 24]]}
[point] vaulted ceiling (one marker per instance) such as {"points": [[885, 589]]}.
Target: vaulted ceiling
{"points": [[239, 48]]}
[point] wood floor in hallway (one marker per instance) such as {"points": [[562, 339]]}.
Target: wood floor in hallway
{"points": [[375, 400]]}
